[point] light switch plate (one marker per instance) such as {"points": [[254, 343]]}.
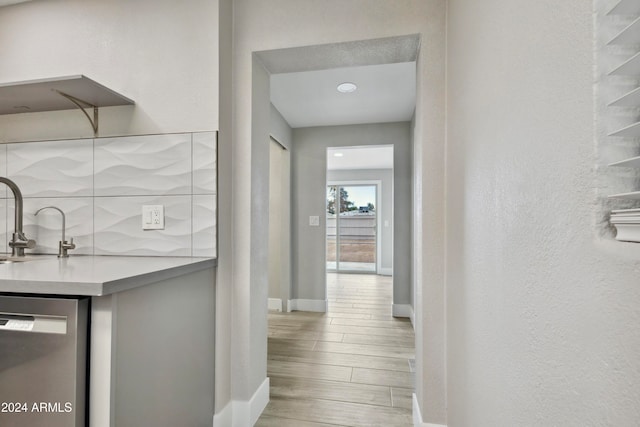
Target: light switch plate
{"points": [[153, 217], [314, 221]]}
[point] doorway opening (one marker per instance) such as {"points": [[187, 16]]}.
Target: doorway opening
{"points": [[348, 123], [359, 209]]}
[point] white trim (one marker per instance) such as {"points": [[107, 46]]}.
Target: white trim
{"points": [[275, 304], [258, 402], [318, 305], [225, 417], [417, 416], [239, 413], [385, 271], [104, 311], [402, 310]]}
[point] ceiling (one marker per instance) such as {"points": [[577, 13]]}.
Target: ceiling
{"points": [[385, 93], [304, 84], [373, 157]]}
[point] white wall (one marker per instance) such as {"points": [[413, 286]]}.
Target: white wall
{"points": [[161, 54], [542, 314], [429, 219], [280, 130], [224, 279]]}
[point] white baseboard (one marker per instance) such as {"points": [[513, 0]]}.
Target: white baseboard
{"points": [[224, 417], [318, 305], [244, 413], [258, 402], [417, 416], [402, 310], [275, 304], [385, 271]]}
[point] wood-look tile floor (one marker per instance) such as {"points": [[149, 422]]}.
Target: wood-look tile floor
{"points": [[347, 367]]}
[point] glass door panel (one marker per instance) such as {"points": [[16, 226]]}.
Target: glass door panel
{"points": [[351, 228]]}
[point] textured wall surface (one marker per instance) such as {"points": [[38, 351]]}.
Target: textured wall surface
{"points": [[542, 313], [101, 185]]}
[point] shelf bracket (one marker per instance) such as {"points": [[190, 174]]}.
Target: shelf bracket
{"points": [[83, 106]]}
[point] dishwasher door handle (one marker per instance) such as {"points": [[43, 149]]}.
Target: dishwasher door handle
{"points": [[33, 323]]}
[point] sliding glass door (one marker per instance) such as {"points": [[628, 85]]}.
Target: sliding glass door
{"points": [[351, 228]]}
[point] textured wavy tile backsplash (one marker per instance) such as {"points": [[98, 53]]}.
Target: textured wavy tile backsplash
{"points": [[143, 165], [118, 226], [52, 169], [101, 185]]}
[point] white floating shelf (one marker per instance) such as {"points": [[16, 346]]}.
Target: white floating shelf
{"points": [[626, 7], [631, 99], [631, 67], [630, 35], [43, 95], [632, 131], [634, 195], [633, 162]]}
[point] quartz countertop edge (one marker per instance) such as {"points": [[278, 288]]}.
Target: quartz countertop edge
{"points": [[86, 275]]}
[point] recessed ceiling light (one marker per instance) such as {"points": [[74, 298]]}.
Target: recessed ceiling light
{"points": [[347, 87], [338, 154]]}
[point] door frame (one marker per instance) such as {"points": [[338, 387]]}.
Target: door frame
{"points": [[280, 300]]}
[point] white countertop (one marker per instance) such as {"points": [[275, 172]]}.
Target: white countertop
{"points": [[93, 275]]}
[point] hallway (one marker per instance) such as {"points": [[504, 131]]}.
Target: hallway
{"points": [[347, 367]]}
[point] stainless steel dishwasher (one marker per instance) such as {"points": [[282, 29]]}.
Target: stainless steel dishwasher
{"points": [[43, 347]]}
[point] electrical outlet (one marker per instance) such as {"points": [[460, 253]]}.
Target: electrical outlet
{"points": [[153, 217]]}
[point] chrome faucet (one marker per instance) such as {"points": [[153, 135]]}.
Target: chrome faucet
{"points": [[19, 241], [63, 245]]}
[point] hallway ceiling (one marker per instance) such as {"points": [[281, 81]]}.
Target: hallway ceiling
{"points": [[385, 93]]}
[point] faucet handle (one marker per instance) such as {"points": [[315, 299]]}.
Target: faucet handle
{"points": [[64, 246], [30, 243], [21, 241]]}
